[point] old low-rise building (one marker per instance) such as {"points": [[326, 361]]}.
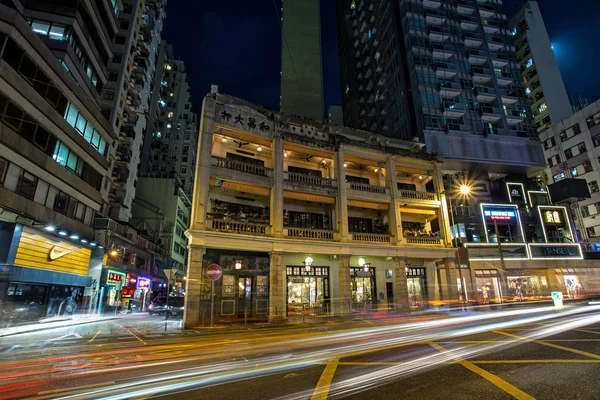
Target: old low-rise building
{"points": [[303, 217]]}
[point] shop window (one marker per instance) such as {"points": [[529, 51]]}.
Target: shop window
{"points": [[27, 184], [61, 203], [11, 181], [3, 168], [41, 192]]}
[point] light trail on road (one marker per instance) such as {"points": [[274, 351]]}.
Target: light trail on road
{"points": [[261, 356]]}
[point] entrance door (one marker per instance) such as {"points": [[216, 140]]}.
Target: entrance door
{"points": [[389, 288], [244, 289]]}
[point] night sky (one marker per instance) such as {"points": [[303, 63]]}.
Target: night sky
{"points": [[237, 45]]}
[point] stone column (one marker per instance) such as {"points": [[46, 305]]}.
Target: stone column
{"points": [[277, 299], [444, 216], [401, 304], [203, 163], [345, 300], [342, 200], [193, 284], [395, 218], [277, 189], [451, 292]]}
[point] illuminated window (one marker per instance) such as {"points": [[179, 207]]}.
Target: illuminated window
{"points": [[171, 94], [353, 5], [527, 91], [168, 67], [170, 114], [542, 107], [514, 31], [529, 63], [169, 126]]}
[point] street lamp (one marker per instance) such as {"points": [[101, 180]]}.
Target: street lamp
{"points": [[465, 190], [238, 263], [308, 263]]}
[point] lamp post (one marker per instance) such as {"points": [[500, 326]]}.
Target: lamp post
{"points": [[464, 190]]}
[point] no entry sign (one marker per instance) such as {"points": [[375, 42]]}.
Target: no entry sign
{"points": [[214, 272]]}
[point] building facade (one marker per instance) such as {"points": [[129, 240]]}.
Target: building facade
{"points": [[164, 218], [369, 214], [544, 85], [127, 94], [440, 72], [54, 154], [170, 140], [571, 149], [301, 69]]}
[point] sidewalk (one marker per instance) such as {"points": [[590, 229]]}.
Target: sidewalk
{"points": [[54, 323]]}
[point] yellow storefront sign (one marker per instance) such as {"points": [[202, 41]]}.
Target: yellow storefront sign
{"points": [[365, 204], [308, 197], [37, 250], [240, 187]]}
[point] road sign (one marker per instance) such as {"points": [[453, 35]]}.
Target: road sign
{"points": [[214, 272], [558, 300]]}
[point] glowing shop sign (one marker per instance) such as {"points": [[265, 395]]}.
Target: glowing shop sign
{"points": [[552, 217], [143, 283], [499, 214], [115, 277]]}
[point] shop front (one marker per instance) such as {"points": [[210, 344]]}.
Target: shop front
{"points": [[577, 283], [364, 292], [416, 281], [242, 292], [42, 275], [307, 291], [111, 291], [527, 285], [489, 288]]}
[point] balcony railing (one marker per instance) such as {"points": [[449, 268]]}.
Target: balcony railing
{"points": [[414, 195], [244, 228], [241, 166], [370, 237], [424, 240], [313, 234], [363, 187], [310, 180]]}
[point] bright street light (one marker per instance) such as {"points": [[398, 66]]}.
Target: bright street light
{"points": [[464, 189]]}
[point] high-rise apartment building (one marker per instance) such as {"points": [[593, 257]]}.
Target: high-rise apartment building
{"points": [[543, 83], [54, 150], [126, 95], [171, 136], [443, 72], [301, 69], [571, 150]]}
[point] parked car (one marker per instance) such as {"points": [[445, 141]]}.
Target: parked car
{"points": [[159, 306]]}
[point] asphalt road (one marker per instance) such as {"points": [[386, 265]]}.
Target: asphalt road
{"points": [[523, 354]]}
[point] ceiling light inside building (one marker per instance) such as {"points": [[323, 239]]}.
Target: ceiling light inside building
{"points": [[74, 237], [345, 165], [420, 176], [285, 153], [83, 241], [376, 169], [259, 148], [224, 140], [63, 233], [49, 228]]}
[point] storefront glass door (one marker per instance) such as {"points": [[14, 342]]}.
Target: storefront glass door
{"points": [[417, 287], [363, 289], [307, 291]]}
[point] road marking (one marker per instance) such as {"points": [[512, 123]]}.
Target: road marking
{"points": [[64, 391], [587, 331], [92, 339], [322, 390], [556, 346], [496, 380], [532, 361], [75, 334]]}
